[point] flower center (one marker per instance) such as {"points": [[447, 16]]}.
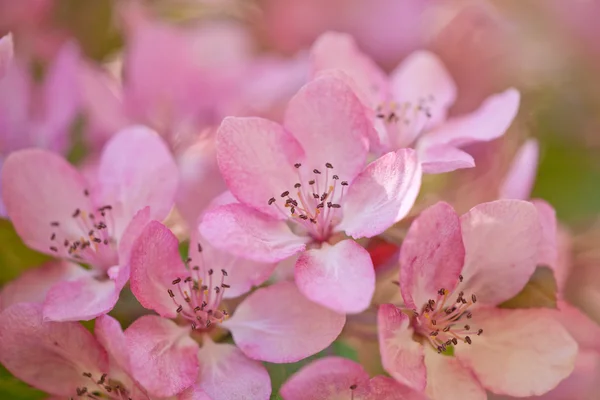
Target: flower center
{"points": [[315, 201], [91, 241], [198, 295], [407, 118], [103, 388], [445, 322]]}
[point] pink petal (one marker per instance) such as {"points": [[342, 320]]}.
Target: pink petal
{"points": [[423, 76], [331, 124], [38, 188], [50, 356], [248, 233], [581, 327], [501, 241], [384, 388], [442, 158], [548, 247], [226, 374], [242, 274], [520, 178], [194, 393], [82, 299], [432, 255], [401, 356], [327, 378], [155, 263], [278, 324], [164, 359], [137, 170], [533, 351], [6, 53], [333, 50], [488, 122], [110, 335], [62, 97], [200, 180], [382, 194], [33, 285], [256, 158], [132, 232], [448, 379], [340, 277]]}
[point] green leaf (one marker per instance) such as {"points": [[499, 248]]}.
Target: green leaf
{"points": [[540, 291], [13, 389], [15, 256]]}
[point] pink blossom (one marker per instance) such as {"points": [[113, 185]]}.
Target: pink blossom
{"points": [[454, 271], [410, 106], [65, 359], [275, 324], [333, 378], [6, 53], [55, 211], [302, 185]]}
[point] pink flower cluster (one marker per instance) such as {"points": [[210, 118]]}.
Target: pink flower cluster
{"points": [[236, 196]]}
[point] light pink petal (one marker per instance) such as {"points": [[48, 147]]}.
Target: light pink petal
{"points": [[333, 50], [340, 277], [50, 356], [548, 247], [441, 158], [384, 388], [164, 359], [132, 232], [382, 194], [422, 78], [448, 379], [256, 157], [155, 263], [581, 327], [242, 274], [227, 374], [401, 356], [194, 393], [432, 255], [501, 241], [327, 378], [200, 180], [331, 124], [278, 324], [137, 170], [532, 349], [520, 178], [488, 122], [84, 298], [33, 285], [109, 333], [62, 97], [248, 233], [6, 53], [38, 188]]}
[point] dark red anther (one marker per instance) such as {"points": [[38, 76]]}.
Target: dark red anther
{"points": [[460, 277], [335, 177], [179, 309], [328, 165], [54, 223], [454, 341], [297, 185], [176, 281], [479, 332], [171, 294], [54, 249], [344, 183], [316, 171], [285, 194], [86, 192], [76, 213], [188, 279], [467, 327], [353, 387], [468, 340], [224, 272], [210, 271], [53, 236], [311, 182], [474, 298], [297, 165]]}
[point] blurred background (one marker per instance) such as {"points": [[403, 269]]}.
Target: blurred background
{"points": [[84, 69]]}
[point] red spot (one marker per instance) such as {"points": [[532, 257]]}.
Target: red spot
{"points": [[381, 251]]}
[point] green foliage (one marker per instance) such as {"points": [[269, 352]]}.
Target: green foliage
{"points": [[13, 389], [540, 291], [15, 256]]}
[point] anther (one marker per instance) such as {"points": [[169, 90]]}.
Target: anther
{"points": [[328, 165], [54, 223], [474, 298], [102, 379], [335, 177], [468, 340], [179, 309], [285, 194], [479, 332], [454, 341], [297, 165], [460, 277], [53, 236], [311, 182], [87, 374], [469, 315], [210, 271], [54, 249], [344, 183], [171, 294], [86, 192], [76, 213], [353, 387], [188, 279], [176, 281], [199, 248], [224, 272], [297, 185], [271, 200], [316, 171], [467, 327], [225, 286]]}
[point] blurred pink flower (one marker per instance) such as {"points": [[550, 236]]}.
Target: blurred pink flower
{"points": [[452, 280], [311, 173], [55, 211], [275, 324], [410, 107], [6, 53], [65, 359], [333, 378], [387, 29]]}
